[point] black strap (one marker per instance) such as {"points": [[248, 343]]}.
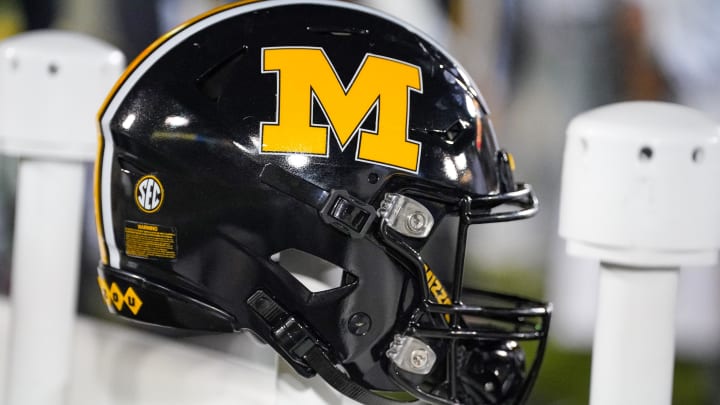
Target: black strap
{"points": [[299, 343], [337, 379], [337, 208], [294, 186]]}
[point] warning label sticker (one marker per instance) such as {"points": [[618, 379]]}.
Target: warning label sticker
{"points": [[150, 241]]}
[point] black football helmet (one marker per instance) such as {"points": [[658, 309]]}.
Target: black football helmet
{"points": [[331, 131]]}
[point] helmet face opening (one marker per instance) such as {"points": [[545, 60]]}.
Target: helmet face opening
{"points": [[262, 144]]}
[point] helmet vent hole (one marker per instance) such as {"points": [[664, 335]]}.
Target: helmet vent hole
{"points": [[315, 273], [338, 31], [454, 132], [698, 154], [646, 153]]}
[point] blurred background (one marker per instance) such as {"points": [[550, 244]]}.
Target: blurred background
{"points": [[538, 64]]}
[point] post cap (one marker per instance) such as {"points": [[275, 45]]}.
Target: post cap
{"points": [[640, 185], [52, 84]]}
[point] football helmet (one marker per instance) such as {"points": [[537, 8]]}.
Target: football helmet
{"points": [[322, 129]]}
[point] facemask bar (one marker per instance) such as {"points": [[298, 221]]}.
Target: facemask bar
{"points": [[471, 210]]}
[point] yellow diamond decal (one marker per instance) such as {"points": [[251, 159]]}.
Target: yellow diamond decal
{"points": [[104, 290], [116, 296], [132, 301]]}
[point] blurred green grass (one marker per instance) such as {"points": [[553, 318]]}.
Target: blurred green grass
{"points": [[565, 380]]}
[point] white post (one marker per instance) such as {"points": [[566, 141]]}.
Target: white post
{"points": [[43, 286], [639, 194], [51, 85], [634, 345]]}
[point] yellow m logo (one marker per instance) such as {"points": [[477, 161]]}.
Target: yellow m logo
{"points": [[379, 83]]}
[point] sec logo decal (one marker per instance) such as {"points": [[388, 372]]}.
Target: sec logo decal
{"points": [[149, 194]]}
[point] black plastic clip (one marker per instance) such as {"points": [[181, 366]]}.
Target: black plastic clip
{"points": [[290, 335], [348, 214]]}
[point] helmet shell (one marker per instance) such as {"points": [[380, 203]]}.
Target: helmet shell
{"points": [[185, 140]]}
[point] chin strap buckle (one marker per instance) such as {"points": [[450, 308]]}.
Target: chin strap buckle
{"points": [[289, 334], [347, 213], [337, 208], [295, 338], [300, 345]]}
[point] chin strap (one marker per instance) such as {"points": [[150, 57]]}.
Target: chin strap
{"points": [[337, 208], [319, 362], [298, 343]]}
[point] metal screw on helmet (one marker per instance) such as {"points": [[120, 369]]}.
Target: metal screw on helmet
{"points": [[419, 358], [411, 354], [415, 222], [406, 216]]}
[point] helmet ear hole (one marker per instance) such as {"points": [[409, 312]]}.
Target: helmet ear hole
{"points": [[313, 272]]}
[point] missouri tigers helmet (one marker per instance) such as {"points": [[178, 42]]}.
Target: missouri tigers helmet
{"points": [[260, 144]]}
